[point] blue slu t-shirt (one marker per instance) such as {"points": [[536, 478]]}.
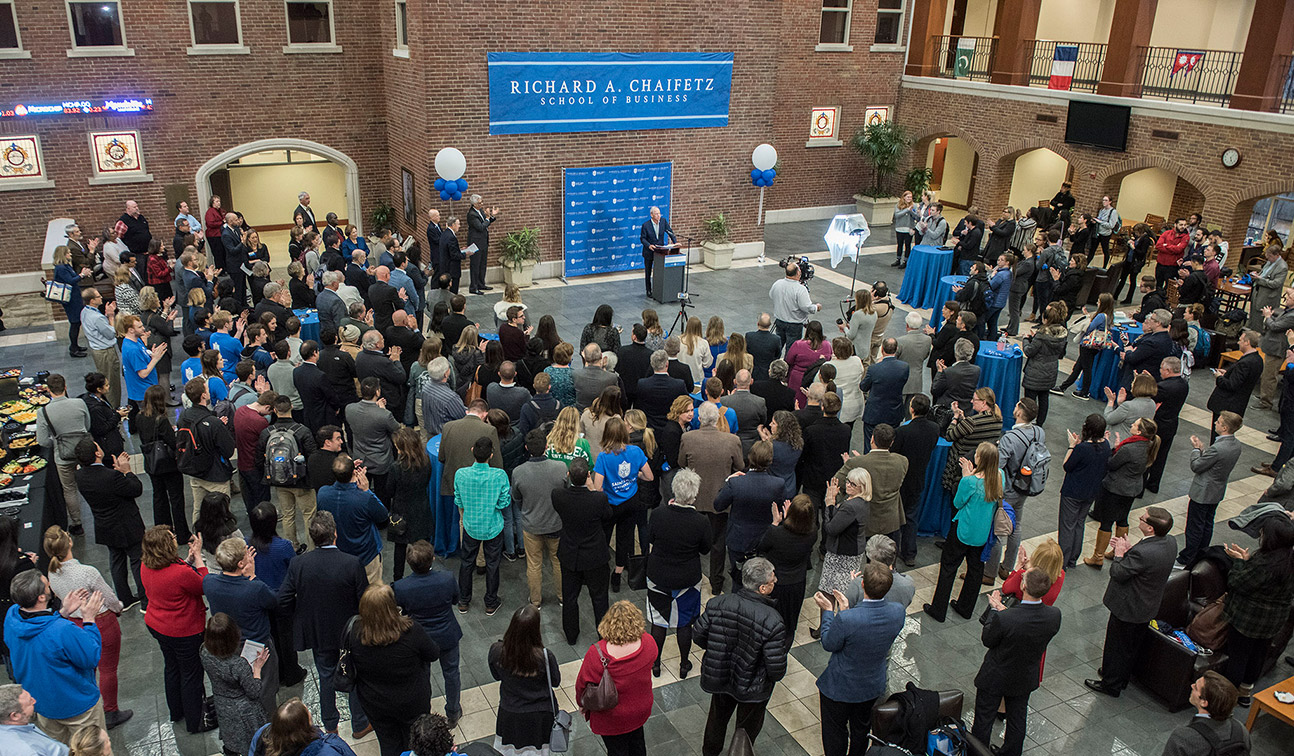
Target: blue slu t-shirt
{"points": [[134, 358], [190, 369], [620, 473]]}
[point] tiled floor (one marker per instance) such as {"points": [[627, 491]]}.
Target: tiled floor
{"points": [[1065, 718]]}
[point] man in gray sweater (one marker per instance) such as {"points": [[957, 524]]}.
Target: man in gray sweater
{"points": [[64, 422], [532, 490]]}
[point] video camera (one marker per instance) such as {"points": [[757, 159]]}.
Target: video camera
{"points": [[801, 262]]}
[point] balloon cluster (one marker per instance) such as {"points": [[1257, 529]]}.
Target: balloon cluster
{"points": [[763, 158], [451, 165]]}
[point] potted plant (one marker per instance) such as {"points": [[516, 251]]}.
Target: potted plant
{"points": [[883, 146], [917, 181], [382, 216], [520, 253], [716, 247]]}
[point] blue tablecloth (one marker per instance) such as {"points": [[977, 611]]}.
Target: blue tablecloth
{"points": [[444, 514], [945, 293], [936, 513], [926, 265], [1000, 371], [1105, 368], [309, 324]]}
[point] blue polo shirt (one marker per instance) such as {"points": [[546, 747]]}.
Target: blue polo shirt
{"points": [[191, 368], [231, 349], [134, 358]]}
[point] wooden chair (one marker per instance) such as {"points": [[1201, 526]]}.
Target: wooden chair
{"points": [[1155, 222]]}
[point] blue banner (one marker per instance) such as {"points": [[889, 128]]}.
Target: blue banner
{"points": [[544, 93], [603, 211]]}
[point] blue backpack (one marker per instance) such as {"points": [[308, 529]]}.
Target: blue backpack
{"points": [[1203, 342]]}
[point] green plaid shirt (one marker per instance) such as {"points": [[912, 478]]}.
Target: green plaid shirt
{"points": [[481, 493]]}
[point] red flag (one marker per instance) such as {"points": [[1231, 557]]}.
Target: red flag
{"points": [[1186, 60]]}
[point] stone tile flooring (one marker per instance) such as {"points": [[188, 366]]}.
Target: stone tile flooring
{"points": [[1065, 718]]}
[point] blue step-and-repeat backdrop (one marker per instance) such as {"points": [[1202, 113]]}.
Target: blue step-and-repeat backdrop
{"points": [[603, 210]]}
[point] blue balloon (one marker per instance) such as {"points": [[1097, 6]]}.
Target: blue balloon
{"points": [[755, 173], [759, 181], [439, 184], [462, 184], [770, 174], [444, 194], [457, 196]]}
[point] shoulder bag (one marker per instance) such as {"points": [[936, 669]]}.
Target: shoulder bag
{"points": [[346, 677], [1208, 628], [64, 444], [559, 740], [474, 390], [57, 291], [602, 695]]}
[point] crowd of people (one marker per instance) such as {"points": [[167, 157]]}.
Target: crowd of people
{"points": [[710, 458]]}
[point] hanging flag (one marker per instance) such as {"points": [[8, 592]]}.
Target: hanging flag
{"points": [[1186, 61], [1062, 66], [965, 52]]}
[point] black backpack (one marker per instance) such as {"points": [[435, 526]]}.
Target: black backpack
{"points": [[811, 373], [1233, 747], [191, 456]]}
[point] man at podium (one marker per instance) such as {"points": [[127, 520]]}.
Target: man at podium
{"points": [[653, 238]]}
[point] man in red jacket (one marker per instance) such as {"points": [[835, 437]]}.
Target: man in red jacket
{"points": [[1169, 250]]}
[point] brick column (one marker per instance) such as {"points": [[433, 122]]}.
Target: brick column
{"points": [[1271, 37], [1015, 25], [927, 21], [1129, 29]]}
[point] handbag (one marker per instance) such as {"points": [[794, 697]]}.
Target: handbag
{"points": [[1208, 628], [636, 572], [602, 695], [559, 739], [473, 389], [397, 526], [345, 678], [1003, 527], [57, 291], [159, 459]]}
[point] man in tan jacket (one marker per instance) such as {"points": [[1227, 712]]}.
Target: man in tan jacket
{"points": [[888, 471], [713, 454]]}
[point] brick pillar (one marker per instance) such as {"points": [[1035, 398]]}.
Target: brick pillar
{"points": [[1271, 37], [927, 21], [1129, 29], [1015, 26]]}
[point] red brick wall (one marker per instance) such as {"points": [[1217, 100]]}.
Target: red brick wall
{"points": [[1000, 130]]}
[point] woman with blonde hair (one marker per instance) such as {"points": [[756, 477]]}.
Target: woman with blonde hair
{"points": [[392, 658], [905, 220], [655, 333], [353, 241], [643, 437], [627, 653], [735, 352], [66, 575], [696, 350], [670, 437], [91, 740], [127, 297], [565, 442], [979, 490], [861, 324], [511, 298], [845, 532], [717, 341], [968, 433], [594, 419], [65, 274]]}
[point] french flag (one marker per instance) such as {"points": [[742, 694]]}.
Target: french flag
{"points": [[1062, 66]]}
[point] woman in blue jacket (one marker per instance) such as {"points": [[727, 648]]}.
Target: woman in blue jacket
{"points": [[978, 493], [291, 733], [64, 273]]}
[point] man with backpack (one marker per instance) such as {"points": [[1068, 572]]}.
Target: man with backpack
{"points": [[281, 453], [249, 422], [203, 445], [541, 411], [1025, 460], [1212, 730]]}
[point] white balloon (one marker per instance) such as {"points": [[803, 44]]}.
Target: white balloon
{"points": [[764, 157], [450, 164]]}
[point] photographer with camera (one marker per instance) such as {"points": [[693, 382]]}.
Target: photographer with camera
{"points": [[792, 305]]}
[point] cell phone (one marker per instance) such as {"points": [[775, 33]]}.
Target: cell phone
{"points": [[828, 596]]}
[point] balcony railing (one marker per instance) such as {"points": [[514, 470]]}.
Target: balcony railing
{"points": [[1286, 102], [1087, 67], [1169, 73], [962, 57]]}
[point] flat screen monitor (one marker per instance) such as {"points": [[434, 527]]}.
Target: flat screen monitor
{"points": [[1098, 125]]}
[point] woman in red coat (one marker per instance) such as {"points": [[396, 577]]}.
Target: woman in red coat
{"points": [[177, 618], [628, 653]]}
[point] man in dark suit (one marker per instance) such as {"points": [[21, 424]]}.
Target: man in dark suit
{"points": [[654, 231], [1016, 639], [763, 345], [329, 303], [1137, 579], [1148, 351], [321, 592], [883, 383], [677, 368], [657, 392], [450, 258], [318, 405], [773, 389], [479, 220], [383, 298], [454, 323], [374, 362], [110, 492], [956, 382], [1170, 397], [303, 209], [633, 363], [966, 251], [404, 334], [591, 379], [581, 546], [1212, 468], [824, 442], [429, 598], [356, 275], [915, 440], [1236, 384], [812, 412], [751, 410], [433, 241]]}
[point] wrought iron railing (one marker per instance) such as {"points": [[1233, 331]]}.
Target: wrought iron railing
{"points": [[1207, 76], [962, 57], [1087, 67], [1285, 103]]}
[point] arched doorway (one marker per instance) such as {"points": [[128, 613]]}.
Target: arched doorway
{"points": [[1153, 195], [264, 177], [953, 163], [1036, 177]]}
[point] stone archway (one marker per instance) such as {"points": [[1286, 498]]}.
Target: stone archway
{"points": [[203, 177]]}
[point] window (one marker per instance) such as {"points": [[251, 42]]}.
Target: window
{"points": [[401, 29], [1272, 213], [835, 25], [889, 22], [96, 25], [21, 164], [117, 158], [310, 27], [10, 40], [216, 27]]}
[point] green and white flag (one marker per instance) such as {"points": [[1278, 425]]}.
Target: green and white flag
{"points": [[965, 51]]}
